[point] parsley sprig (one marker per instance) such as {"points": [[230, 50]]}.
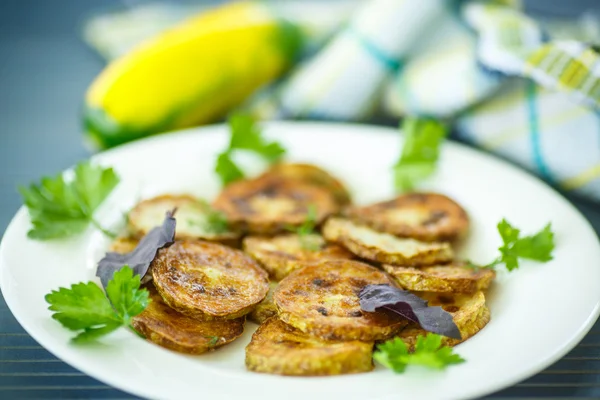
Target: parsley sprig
{"points": [[85, 308], [59, 207], [537, 247], [245, 135], [422, 141], [307, 229], [428, 352]]}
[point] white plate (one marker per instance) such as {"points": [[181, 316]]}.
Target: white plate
{"points": [[539, 312]]}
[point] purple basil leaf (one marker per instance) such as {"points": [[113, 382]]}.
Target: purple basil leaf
{"points": [[432, 319], [142, 256]]}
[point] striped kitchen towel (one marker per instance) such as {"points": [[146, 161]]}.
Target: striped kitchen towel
{"points": [[521, 87], [513, 87], [541, 129], [546, 119], [344, 81]]}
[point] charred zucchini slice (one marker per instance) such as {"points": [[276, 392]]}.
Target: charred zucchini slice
{"points": [[266, 308], [315, 176], [278, 348], [168, 328], [271, 205], [322, 299], [281, 255], [208, 281], [381, 247], [195, 219], [452, 278], [468, 311], [423, 216]]}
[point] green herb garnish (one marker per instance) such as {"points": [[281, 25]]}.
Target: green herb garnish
{"points": [[420, 153], [536, 247], [60, 208], [213, 341], [428, 352], [85, 308], [227, 170], [307, 229], [245, 135], [216, 221]]}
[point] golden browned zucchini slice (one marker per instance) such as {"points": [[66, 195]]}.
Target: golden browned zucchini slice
{"points": [[123, 245], [453, 278], [278, 348], [208, 281], [381, 247], [172, 330], [322, 299], [194, 219], [423, 216], [468, 311], [270, 205], [281, 255], [266, 308], [314, 175]]}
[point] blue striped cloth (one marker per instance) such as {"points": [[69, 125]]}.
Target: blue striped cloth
{"points": [[513, 89]]}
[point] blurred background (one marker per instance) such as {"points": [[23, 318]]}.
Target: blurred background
{"points": [[469, 63], [520, 79]]}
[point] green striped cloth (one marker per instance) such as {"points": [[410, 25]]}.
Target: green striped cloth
{"points": [[514, 89], [546, 116], [568, 66]]}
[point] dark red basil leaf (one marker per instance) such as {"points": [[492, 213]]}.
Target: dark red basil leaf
{"points": [[433, 319], [142, 256]]}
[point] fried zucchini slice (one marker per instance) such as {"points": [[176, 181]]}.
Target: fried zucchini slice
{"points": [[450, 278], [207, 280], [266, 308], [427, 217], [195, 219], [315, 176], [123, 245], [469, 312], [381, 247], [168, 328], [322, 299], [270, 204], [281, 255], [278, 348]]}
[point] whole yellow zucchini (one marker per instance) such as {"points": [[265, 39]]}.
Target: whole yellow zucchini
{"points": [[189, 75]]}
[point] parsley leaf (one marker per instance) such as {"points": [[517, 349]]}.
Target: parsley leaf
{"points": [[428, 352], [213, 341], [420, 153], [84, 307], [307, 229], [227, 170], [536, 247], [245, 135], [125, 295], [59, 208], [216, 221]]}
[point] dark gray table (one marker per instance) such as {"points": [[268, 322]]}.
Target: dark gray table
{"points": [[44, 71]]}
